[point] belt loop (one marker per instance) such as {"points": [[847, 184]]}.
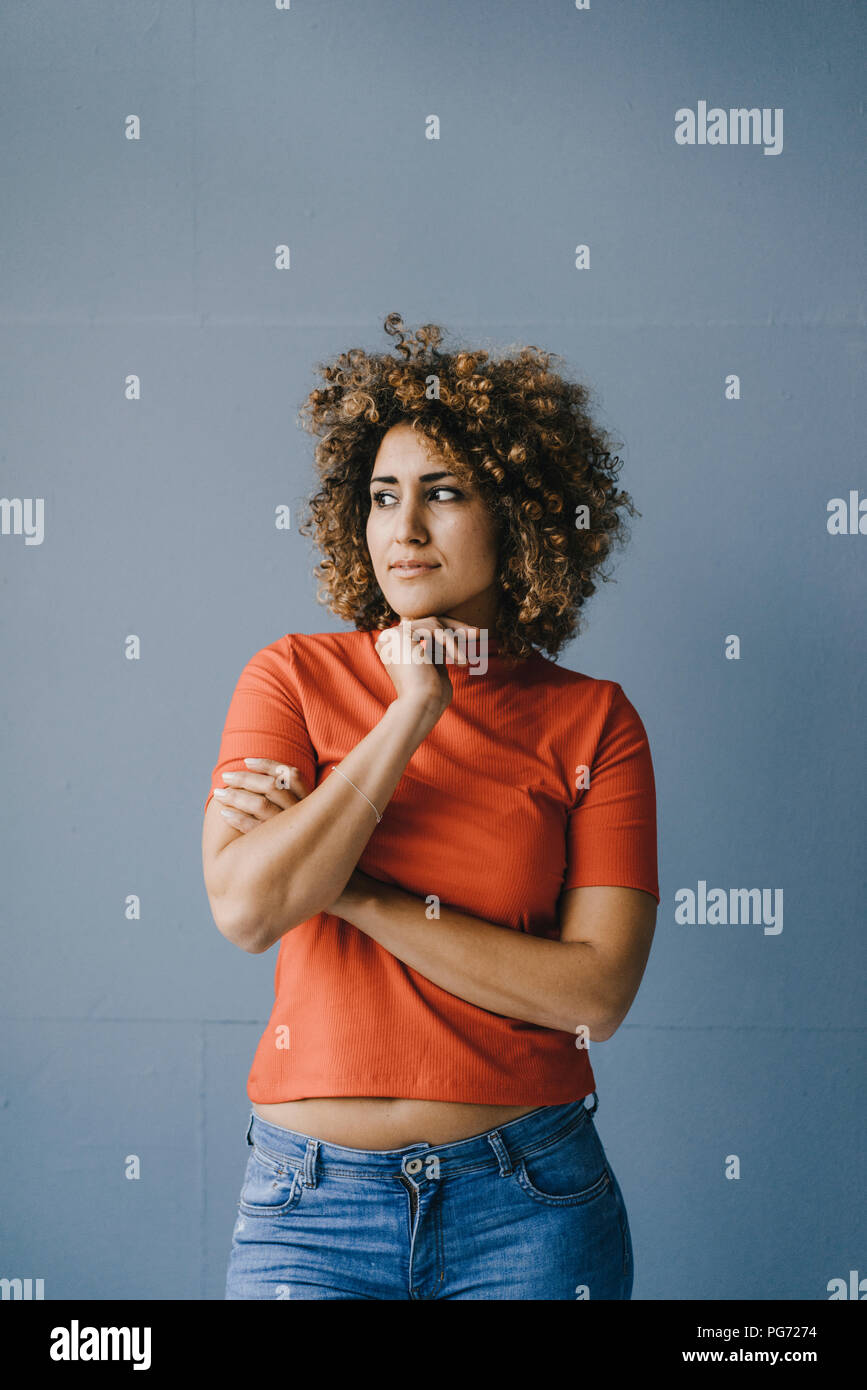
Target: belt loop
{"points": [[308, 1172], [591, 1109], [495, 1139], [250, 1126]]}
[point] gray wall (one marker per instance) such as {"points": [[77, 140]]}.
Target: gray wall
{"points": [[155, 257]]}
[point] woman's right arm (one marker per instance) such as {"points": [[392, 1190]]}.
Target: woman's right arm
{"points": [[262, 885]]}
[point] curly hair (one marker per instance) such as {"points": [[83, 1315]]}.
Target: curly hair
{"points": [[512, 428]]}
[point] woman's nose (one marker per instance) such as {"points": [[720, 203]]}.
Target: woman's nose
{"points": [[409, 525]]}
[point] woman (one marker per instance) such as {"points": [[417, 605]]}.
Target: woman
{"points": [[454, 841]]}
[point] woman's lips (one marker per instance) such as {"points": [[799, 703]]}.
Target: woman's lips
{"points": [[409, 570]]}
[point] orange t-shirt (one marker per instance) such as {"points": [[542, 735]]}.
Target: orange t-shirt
{"points": [[486, 817]]}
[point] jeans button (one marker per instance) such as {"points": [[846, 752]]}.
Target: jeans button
{"points": [[412, 1165]]}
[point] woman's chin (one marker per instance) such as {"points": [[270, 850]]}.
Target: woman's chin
{"points": [[411, 609]]}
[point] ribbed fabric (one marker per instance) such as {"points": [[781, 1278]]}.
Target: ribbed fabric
{"points": [[487, 818]]}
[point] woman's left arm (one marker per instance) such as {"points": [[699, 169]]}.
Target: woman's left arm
{"points": [[588, 978]]}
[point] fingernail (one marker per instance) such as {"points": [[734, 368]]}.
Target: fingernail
{"points": [[227, 776], [252, 760], [221, 791], [224, 812]]}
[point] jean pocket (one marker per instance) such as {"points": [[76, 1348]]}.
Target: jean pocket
{"points": [[271, 1187], [569, 1170], [628, 1256]]}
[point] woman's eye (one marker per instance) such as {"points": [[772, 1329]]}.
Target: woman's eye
{"points": [[386, 499]]}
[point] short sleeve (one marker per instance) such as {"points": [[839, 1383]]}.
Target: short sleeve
{"points": [[611, 830], [265, 718]]}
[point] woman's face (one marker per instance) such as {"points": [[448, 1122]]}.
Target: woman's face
{"points": [[432, 539]]}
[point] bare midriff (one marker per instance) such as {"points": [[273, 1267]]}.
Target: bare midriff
{"points": [[387, 1122]]}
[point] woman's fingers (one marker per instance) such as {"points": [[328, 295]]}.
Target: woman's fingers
{"points": [[285, 777], [241, 820], [452, 648], [254, 803], [253, 797], [247, 789], [253, 781]]}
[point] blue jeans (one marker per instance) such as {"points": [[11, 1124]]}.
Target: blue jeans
{"points": [[529, 1210]]}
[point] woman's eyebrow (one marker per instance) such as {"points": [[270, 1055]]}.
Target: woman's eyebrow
{"points": [[423, 478]]}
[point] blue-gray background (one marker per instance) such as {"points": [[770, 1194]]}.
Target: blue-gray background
{"points": [[156, 257]]}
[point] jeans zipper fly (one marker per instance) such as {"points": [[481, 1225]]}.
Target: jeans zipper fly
{"points": [[413, 1195]]}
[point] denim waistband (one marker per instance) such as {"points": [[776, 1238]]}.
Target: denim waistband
{"points": [[501, 1147]]}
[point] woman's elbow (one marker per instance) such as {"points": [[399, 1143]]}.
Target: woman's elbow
{"points": [[612, 1018], [236, 916], [238, 928], [254, 932]]}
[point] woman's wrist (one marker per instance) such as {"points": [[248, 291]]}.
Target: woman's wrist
{"points": [[415, 713]]}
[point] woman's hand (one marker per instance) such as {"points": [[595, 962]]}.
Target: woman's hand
{"points": [[416, 659], [257, 796], [260, 794]]}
